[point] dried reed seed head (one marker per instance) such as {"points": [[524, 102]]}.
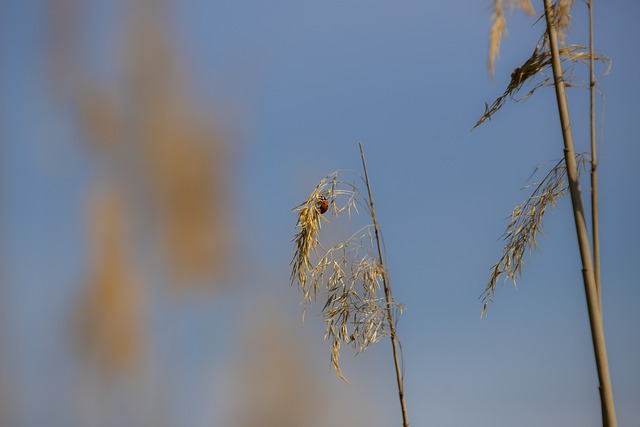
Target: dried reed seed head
{"points": [[355, 316], [526, 7], [499, 25], [322, 199], [562, 18], [536, 64], [526, 223], [347, 275], [306, 241]]}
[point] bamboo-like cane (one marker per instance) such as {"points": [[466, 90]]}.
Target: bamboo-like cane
{"points": [[591, 291], [595, 228], [388, 298]]}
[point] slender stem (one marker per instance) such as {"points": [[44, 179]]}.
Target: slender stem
{"points": [[388, 297], [595, 229], [593, 304]]}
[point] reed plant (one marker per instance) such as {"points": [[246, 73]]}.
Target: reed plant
{"points": [[552, 53], [350, 279]]}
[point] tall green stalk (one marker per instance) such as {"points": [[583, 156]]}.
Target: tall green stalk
{"points": [[591, 289]]}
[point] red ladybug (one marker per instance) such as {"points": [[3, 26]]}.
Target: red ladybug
{"points": [[323, 204]]}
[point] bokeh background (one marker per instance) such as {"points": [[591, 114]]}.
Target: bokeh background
{"points": [[151, 152]]}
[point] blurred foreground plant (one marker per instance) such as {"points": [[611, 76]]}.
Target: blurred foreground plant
{"points": [[349, 276]]}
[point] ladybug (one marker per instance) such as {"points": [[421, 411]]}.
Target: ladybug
{"points": [[323, 204]]}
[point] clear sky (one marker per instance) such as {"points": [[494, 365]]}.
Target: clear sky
{"points": [[296, 85]]}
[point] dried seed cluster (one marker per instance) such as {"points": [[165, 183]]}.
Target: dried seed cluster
{"points": [[348, 277], [526, 224], [539, 61]]}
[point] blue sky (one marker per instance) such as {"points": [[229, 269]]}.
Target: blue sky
{"points": [[298, 84]]}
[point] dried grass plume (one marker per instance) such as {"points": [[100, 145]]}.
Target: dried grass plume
{"points": [[535, 65], [525, 225], [499, 24], [348, 277]]}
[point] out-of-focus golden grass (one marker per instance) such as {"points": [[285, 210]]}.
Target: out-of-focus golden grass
{"points": [[499, 24], [179, 159], [562, 16], [167, 172], [187, 173], [109, 322], [160, 191], [276, 383], [273, 384], [159, 216]]}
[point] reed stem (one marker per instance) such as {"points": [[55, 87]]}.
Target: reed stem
{"points": [[388, 298], [591, 290]]}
